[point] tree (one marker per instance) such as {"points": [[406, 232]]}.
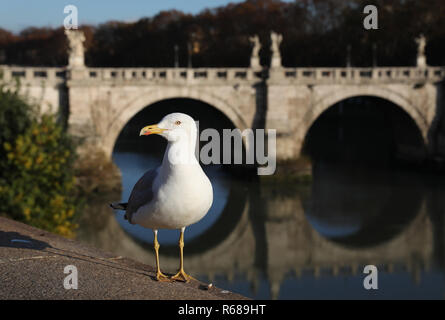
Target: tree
{"points": [[36, 182], [15, 117], [315, 33]]}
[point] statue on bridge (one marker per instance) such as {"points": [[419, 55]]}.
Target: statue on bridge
{"points": [[255, 57], [76, 50], [275, 47], [421, 58]]}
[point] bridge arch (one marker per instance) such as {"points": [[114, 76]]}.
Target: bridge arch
{"points": [[149, 98], [341, 93], [344, 93]]}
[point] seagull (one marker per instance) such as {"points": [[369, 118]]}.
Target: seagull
{"points": [[174, 195]]}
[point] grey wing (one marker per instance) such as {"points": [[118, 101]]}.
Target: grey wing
{"points": [[142, 193]]}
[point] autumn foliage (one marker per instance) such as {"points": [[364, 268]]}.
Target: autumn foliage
{"points": [[316, 33], [36, 181]]}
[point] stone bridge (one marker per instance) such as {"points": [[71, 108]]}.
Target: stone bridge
{"points": [[102, 100], [99, 102]]}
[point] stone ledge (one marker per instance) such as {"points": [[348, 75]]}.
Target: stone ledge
{"points": [[32, 263]]}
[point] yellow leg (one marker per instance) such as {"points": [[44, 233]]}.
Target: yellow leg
{"points": [[159, 275], [181, 275]]}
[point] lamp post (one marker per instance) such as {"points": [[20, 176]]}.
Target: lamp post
{"points": [[176, 48], [348, 56], [189, 58], [374, 55]]}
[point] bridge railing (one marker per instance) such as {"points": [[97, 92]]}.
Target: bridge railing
{"points": [[196, 75], [363, 74], [173, 74], [56, 74]]}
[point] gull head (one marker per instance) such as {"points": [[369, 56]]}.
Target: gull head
{"points": [[173, 127]]}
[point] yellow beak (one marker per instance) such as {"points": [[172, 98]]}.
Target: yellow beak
{"points": [[153, 129]]}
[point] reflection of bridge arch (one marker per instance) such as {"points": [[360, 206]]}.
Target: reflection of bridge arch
{"points": [[293, 245], [234, 250], [127, 112], [290, 245], [235, 253], [232, 218]]}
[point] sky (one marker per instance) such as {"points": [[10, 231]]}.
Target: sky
{"points": [[15, 15]]}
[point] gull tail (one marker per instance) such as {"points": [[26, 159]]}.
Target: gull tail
{"points": [[119, 206]]}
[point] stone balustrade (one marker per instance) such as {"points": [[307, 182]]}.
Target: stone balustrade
{"points": [[359, 75], [173, 74], [196, 75], [52, 74]]}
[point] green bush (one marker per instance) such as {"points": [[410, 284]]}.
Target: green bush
{"points": [[36, 161], [15, 116]]}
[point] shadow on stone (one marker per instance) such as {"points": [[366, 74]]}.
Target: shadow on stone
{"points": [[17, 240]]}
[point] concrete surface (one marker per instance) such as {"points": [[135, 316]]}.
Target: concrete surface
{"points": [[32, 263]]}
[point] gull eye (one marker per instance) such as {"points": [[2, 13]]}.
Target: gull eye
{"points": [[178, 123]]}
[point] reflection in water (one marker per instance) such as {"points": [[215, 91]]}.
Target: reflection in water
{"points": [[292, 242], [287, 242], [358, 208]]}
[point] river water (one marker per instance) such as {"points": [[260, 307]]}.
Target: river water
{"points": [[293, 241], [296, 242]]}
